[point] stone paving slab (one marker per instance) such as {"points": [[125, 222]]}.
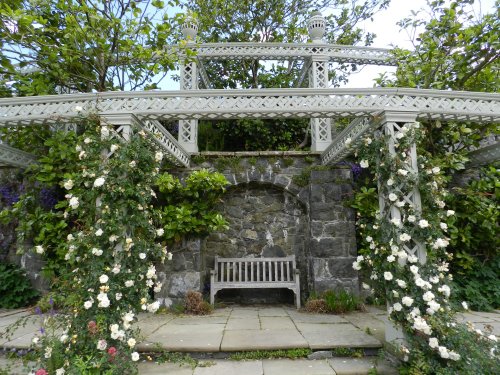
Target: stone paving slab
{"points": [[490, 315], [296, 367], [242, 324], [277, 322], [361, 366], [225, 367], [367, 323], [182, 337], [262, 340], [326, 336], [150, 323], [195, 320], [151, 368], [272, 311], [244, 313], [473, 318], [299, 317]]}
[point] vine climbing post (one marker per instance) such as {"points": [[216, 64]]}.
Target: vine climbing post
{"points": [[188, 129], [395, 193], [321, 132]]}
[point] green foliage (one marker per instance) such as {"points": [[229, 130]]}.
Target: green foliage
{"points": [[271, 354], [15, 288], [39, 213], [83, 46], [333, 302], [189, 209], [348, 352], [475, 242]]}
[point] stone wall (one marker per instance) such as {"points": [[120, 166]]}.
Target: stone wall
{"points": [[277, 204]]}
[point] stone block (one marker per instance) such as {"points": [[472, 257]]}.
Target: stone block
{"points": [[327, 247], [323, 176], [322, 211], [342, 267], [181, 282], [332, 192], [282, 180], [317, 195]]}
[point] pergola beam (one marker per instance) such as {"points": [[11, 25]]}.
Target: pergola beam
{"points": [[13, 157], [289, 51], [263, 103]]}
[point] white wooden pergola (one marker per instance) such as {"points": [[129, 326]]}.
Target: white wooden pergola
{"points": [[384, 109]]}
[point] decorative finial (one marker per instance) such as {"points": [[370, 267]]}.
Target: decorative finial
{"points": [[316, 25], [189, 29]]}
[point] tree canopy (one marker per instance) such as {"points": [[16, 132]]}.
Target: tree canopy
{"points": [[83, 45]]}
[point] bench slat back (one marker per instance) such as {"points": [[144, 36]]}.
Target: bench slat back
{"points": [[255, 270]]}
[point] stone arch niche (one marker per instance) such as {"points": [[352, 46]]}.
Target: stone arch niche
{"points": [[264, 220], [277, 203]]}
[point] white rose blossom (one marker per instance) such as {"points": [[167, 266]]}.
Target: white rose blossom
{"points": [[390, 182], [99, 181], [96, 252], [74, 203], [411, 218], [393, 197], [450, 213], [397, 306], [135, 356], [364, 164], [388, 276], [113, 148], [103, 279], [68, 185], [402, 172], [433, 342], [423, 223], [158, 156], [39, 249], [99, 232], [131, 342], [129, 283], [407, 301], [88, 304], [102, 344], [401, 283], [404, 237]]}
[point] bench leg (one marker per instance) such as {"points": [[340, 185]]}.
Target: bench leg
{"points": [[297, 289], [212, 291]]}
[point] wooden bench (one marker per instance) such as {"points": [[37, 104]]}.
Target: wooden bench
{"points": [[247, 273]]}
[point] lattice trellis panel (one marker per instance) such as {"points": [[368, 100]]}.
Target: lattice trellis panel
{"points": [[290, 51], [391, 125], [10, 156], [321, 130], [122, 129], [188, 129], [271, 103]]}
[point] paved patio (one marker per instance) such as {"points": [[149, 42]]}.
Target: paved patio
{"points": [[254, 328]]}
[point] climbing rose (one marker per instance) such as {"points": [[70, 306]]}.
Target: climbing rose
{"points": [[388, 276], [99, 182], [364, 164], [68, 185], [73, 202], [423, 223], [135, 356], [102, 344], [39, 249], [41, 372], [433, 342]]}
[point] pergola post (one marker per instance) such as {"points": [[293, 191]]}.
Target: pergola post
{"points": [[394, 123], [321, 132], [188, 129]]}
